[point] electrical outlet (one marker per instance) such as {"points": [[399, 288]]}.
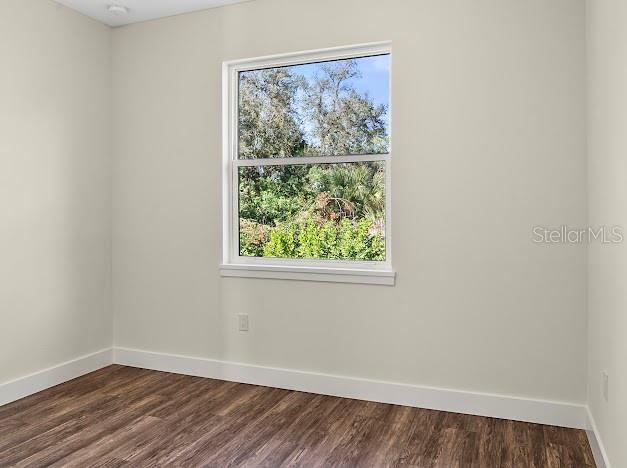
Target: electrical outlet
{"points": [[243, 322], [606, 385]]}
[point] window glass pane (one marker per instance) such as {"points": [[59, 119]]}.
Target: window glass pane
{"points": [[330, 108], [321, 211]]}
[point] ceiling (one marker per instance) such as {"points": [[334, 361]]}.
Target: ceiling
{"points": [[140, 10]]}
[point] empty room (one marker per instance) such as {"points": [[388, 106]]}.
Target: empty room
{"points": [[313, 233]]}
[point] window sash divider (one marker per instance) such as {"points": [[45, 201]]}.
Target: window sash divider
{"points": [[306, 160]]}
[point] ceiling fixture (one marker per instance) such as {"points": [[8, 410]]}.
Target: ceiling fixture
{"points": [[117, 9], [134, 11]]}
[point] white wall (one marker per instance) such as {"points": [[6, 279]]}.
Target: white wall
{"points": [[607, 199], [55, 241], [489, 140]]}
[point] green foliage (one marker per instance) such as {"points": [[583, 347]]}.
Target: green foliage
{"points": [[283, 114], [345, 121], [327, 211], [252, 238], [330, 240], [318, 241], [272, 195], [357, 190], [282, 242], [268, 118]]}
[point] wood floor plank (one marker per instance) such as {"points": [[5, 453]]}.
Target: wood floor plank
{"points": [[126, 417], [56, 444], [288, 446]]}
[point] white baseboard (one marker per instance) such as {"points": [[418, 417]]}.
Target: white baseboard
{"points": [[38, 381], [596, 443], [481, 404]]}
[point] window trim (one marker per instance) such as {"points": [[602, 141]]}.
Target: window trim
{"points": [[345, 271]]}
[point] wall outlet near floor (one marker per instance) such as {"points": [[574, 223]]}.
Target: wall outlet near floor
{"points": [[242, 320], [606, 385]]}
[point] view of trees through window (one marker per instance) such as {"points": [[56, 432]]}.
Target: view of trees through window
{"points": [[327, 110]]}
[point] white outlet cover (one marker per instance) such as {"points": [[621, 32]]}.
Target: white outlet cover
{"points": [[242, 322], [140, 10]]}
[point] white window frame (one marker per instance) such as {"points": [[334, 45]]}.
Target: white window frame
{"points": [[233, 264]]}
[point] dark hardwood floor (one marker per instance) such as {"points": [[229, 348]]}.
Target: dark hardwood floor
{"points": [[122, 416]]}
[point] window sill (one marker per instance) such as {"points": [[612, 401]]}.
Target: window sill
{"points": [[310, 273]]}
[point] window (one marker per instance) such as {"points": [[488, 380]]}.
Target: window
{"points": [[307, 166]]}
